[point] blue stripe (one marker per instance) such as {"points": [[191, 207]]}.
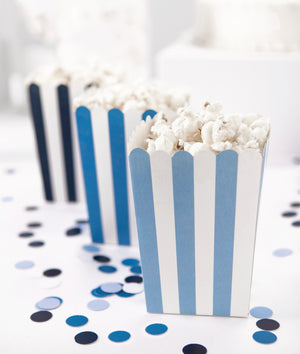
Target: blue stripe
{"points": [[66, 132], [147, 113], [225, 201], [85, 136], [145, 219], [118, 160], [183, 189], [39, 130]]}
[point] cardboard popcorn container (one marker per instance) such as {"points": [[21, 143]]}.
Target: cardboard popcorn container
{"points": [[56, 140], [103, 139], [196, 221]]}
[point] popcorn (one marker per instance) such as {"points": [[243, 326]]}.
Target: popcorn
{"points": [[140, 95], [209, 130]]}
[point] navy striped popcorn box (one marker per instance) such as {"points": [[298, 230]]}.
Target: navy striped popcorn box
{"points": [[196, 221], [103, 137], [56, 139]]}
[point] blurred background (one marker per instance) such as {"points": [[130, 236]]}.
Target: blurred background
{"points": [[242, 53]]}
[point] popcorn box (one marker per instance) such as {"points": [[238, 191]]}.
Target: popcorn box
{"points": [[196, 222], [103, 136], [56, 140]]}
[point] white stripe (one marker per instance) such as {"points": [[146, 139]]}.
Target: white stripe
{"points": [[161, 171], [247, 197], [75, 88], [101, 139], [54, 141], [204, 206], [131, 120]]}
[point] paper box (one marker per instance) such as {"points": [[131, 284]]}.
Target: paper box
{"points": [[103, 138], [56, 140], [196, 222]]}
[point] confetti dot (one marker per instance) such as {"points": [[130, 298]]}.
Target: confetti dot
{"points": [[36, 243], [99, 293], [50, 283], [34, 224], [194, 349], [264, 337], [52, 272], [107, 269], [295, 205], [24, 265], [81, 221], [261, 312], [124, 294], [10, 171], [77, 321], [134, 279], [26, 234], [31, 208], [136, 270], [130, 262], [86, 337], [296, 223], [133, 288], [49, 303], [289, 214], [156, 329], [111, 287], [74, 231], [119, 336], [91, 248], [41, 316], [98, 305], [282, 252], [7, 199], [267, 324], [101, 259]]}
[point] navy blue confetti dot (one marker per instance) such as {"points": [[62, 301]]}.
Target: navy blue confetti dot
{"points": [[101, 259], [107, 269], [77, 321], [130, 262], [26, 234], [52, 272], [119, 336], [41, 316], [289, 214], [134, 279], [295, 205], [136, 270], [194, 348], [34, 224], [156, 328], [36, 243], [86, 337], [31, 208], [81, 221], [267, 324], [264, 337], [74, 231], [296, 223]]}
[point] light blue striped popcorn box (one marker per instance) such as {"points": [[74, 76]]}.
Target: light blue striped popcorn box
{"points": [[196, 222], [103, 137]]}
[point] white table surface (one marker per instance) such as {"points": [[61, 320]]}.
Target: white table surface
{"points": [[276, 281]]}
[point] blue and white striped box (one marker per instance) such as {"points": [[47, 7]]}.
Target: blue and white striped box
{"points": [[56, 140], [196, 221], [103, 137]]}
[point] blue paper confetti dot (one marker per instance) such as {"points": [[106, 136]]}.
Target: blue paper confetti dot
{"points": [[36, 244], [296, 223], [49, 303], [156, 329], [98, 305], [26, 234], [264, 337], [124, 294], [282, 252], [111, 288], [74, 231], [7, 199], [31, 208], [91, 248], [134, 279], [130, 262], [295, 205], [86, 337], [107, 269], [99, 293], [194, 348], [101, 259], [119, 336], [24, 265], [41, 316], [289, 214], [261, 312], [77, 321], [136, 270], [34, 224]]}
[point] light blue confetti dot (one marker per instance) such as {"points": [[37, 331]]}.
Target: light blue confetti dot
{"points": [[264, 337], [107, 269], [7, 199], [119, 336], [282, 252], [136, 269], [77, 321], [98, 305], [130, 262], [111, 288], [24, 265], [156, 328], [261, 312], [49, 303], [91, 248]]}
